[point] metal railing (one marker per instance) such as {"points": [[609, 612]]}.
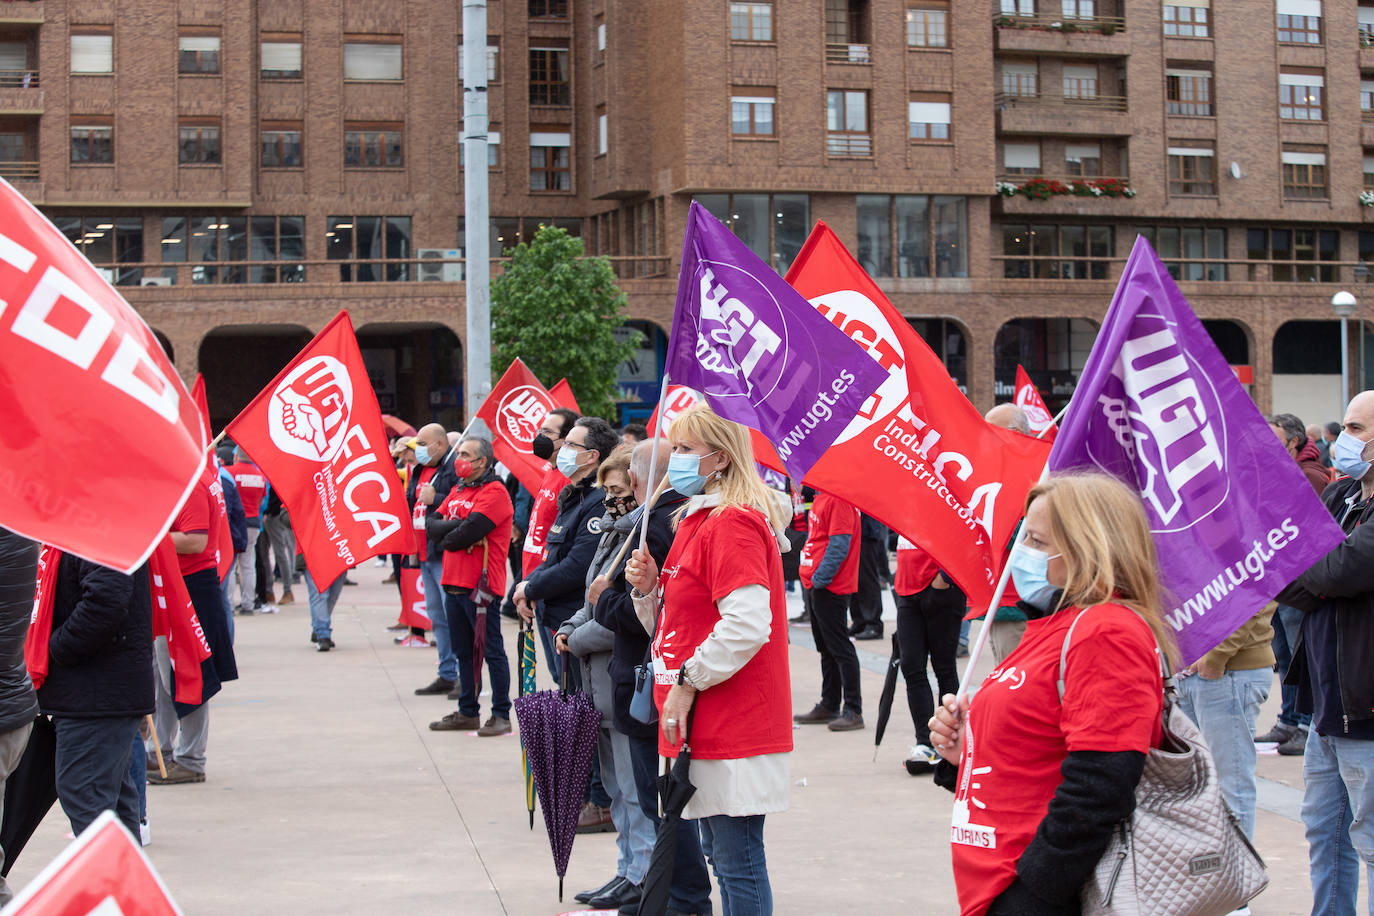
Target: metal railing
{"points": [[18, 79], [847, 53], [14, 170], [1049, 22], [1003, 100], [860, 145], [1186, 269]]}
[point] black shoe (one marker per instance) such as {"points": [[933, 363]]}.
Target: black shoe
{"points": [[615, 899], [855, 629], [1296, 746], [348, 581], [456, 693], [962, 651], [245, 613], [1280, 733], [313, 637], [869, 632], [434, 688], [819, 715], [606, 888], [846, 722], [324, 644], [629, 909], [800, 620]]}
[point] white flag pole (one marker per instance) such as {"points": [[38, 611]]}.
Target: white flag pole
{"points": [[653, 464]]}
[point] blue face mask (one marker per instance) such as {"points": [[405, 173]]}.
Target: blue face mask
{"points": [[684, 473], [422, 454], [567, 461], [1345, 456], [1030, 573]]}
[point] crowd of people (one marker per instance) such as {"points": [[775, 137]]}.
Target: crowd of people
{"points": [[697, 620]]}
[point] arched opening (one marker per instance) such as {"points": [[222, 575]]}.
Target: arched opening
{"points": [[1307, 368], [1053, 351], [640, 376], [239, 360], [1231, 339], [947, 338], [165, 344], [416, 369]]}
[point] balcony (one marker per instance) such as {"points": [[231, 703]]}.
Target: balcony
{"points": [[1113, 202], [1094, 36], [848, 146], [14, 170], [842, 53], [27, 11], [19, 92], [1043, 113]]}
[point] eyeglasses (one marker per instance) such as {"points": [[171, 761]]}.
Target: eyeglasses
{"points": [[585, 448]]}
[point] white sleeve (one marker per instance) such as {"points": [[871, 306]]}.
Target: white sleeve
{"points": [[646, 608], [746, 621]]}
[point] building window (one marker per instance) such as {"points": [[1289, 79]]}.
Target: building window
{"points": [[369, 240], [1304, 172], [1021, 158], [1366, 19], [198, 54], [600, 39], [751, 22], [751, 112], [276, 238], [846, 22], [1052, 252], [372, 60], [198, 141], [1018, 7], [602, 129], [928, 117], [773, 226], [846, 123], [106, 240], [549, 77], [280, 59], [550, 163], [1300, 21], [1083, 160], [1189, 93], [1183, 249], [493, 59], [93, 140], [204, 241], [281, 144], [493, 148], [548, 9], [1019, 78], [905, 235], [1300, 94], [1187, 20], [1301, 255], [1192, 170], [93, 53], [373, 146], [1077, 9], [927, 26], [1366, 97], [1369, 168], [1080, 81]]}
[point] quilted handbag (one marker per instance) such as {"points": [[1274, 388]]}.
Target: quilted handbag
{"points": [[1181, 852]]}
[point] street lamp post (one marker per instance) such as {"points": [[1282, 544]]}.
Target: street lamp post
{"points": [[1343, 304]]}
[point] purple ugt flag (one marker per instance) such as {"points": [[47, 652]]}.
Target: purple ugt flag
{"points": [[760, 353], [1234, 520]]}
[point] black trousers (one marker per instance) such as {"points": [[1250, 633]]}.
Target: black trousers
{"points": [[839, 661], [866, 605], [262, 564], [92, 763], [928, 628]]}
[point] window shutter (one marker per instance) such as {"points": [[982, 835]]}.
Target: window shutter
{"points": [[1300, 7], [929, 112], [92, 53], [1021, 155], [545, 138], [281, 55], [372, 61]]}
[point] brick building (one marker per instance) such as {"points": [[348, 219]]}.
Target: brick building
{"points": [[247, 167]]}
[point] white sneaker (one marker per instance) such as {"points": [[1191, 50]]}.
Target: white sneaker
{"points": [[145, 833], [922, 760]]}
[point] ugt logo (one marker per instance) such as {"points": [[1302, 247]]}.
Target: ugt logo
{"points": [[521, 413], [310, 409]]}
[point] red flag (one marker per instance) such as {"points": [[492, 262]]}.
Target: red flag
{"points": [[414, 613], [198, 394], [562, 395], [514, 411], [678, 399], [918, 457], [83, 376], [224, 554], [175, 618], [316, 432], [1028, 399]]}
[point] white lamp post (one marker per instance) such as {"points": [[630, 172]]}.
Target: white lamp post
{"points": [[1343, 304]]}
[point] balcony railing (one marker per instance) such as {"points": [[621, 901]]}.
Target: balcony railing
{"points": [[1048, 22], [1185, 269], [1366, 36], [1045, 100], [844, 53], [18, 79], [13, 170], [853, 145]]}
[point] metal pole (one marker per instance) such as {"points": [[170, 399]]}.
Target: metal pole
{"points": [[1345, 365], [476, 209]]}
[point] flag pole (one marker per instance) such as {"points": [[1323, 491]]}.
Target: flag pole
{"points": [[653, 463]]}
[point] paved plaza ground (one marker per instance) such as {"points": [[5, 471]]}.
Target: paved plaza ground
{"points": [[328, 794]]}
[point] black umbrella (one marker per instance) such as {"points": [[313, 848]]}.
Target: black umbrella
{"points": [[30, 791], [889, 691], [674, 791]]}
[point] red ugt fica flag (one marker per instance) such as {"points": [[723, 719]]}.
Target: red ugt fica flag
{"points": [[1029, 400], [81, 374], [918, 457], [514, 411], [562, 395], [316, 431]]}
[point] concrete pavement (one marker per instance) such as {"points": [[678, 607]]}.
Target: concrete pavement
{"points": [[327, 793]]}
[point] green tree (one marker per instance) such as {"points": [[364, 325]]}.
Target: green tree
{"points": [[558, 310]]}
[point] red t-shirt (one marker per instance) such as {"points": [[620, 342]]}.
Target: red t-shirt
{"points": [[417, 514], [252, 486], [462, 568], [543, 513], [199, 515], [1018, 735], [831, 516], [750, 713], [916, 569]]}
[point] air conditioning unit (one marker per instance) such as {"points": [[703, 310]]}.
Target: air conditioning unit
{"points": [[437, 270], [155, 281]]}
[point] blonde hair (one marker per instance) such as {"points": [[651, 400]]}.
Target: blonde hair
{"points": [[617, 461], [738, 483], [1104, 537]]}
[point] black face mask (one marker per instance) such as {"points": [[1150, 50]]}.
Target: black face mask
{"points": [[543, 447], [619, 506]]}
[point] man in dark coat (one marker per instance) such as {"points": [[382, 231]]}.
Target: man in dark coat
{"points": [[99, 686], [18, 704]]}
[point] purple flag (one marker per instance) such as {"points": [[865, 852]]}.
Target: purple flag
{"points": [[1233, 518], [760, 353]]}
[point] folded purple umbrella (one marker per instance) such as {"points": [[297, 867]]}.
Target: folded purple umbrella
{"points": [[559, 731]]}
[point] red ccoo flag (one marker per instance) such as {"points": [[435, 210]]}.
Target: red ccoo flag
{"points": [[316, 431], [514, 411], [1028, 399], [85, 376], [562, 395]]}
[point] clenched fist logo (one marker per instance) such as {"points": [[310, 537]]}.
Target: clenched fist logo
{"points": [[521, 413], [311, 408]]}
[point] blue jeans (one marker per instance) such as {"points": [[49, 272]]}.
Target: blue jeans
{"points": [[92, 764], [138, 772], [431, 572], [634, 832], [228, 608], [734, 845], [1226, 709], [1287, 620], [322, 604], [691, 888], [462, 624], [1338, 812]]}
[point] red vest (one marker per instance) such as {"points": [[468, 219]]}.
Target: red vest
{"points": [[463, 567], [543, 513], [751, 713]]}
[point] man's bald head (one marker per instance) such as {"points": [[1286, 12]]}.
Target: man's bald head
{"points": [[640, 478], [1359, 416], [1009, 416], [435, 441]]}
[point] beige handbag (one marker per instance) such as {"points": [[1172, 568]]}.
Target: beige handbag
{"points": [[1182, 852]]}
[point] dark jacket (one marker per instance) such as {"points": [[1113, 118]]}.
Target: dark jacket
{"points": [[459, 533], [233, 507], [1310, 462], [18, 571], [615, 611], [1337, 594], [100, 655], [559, 583]]}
